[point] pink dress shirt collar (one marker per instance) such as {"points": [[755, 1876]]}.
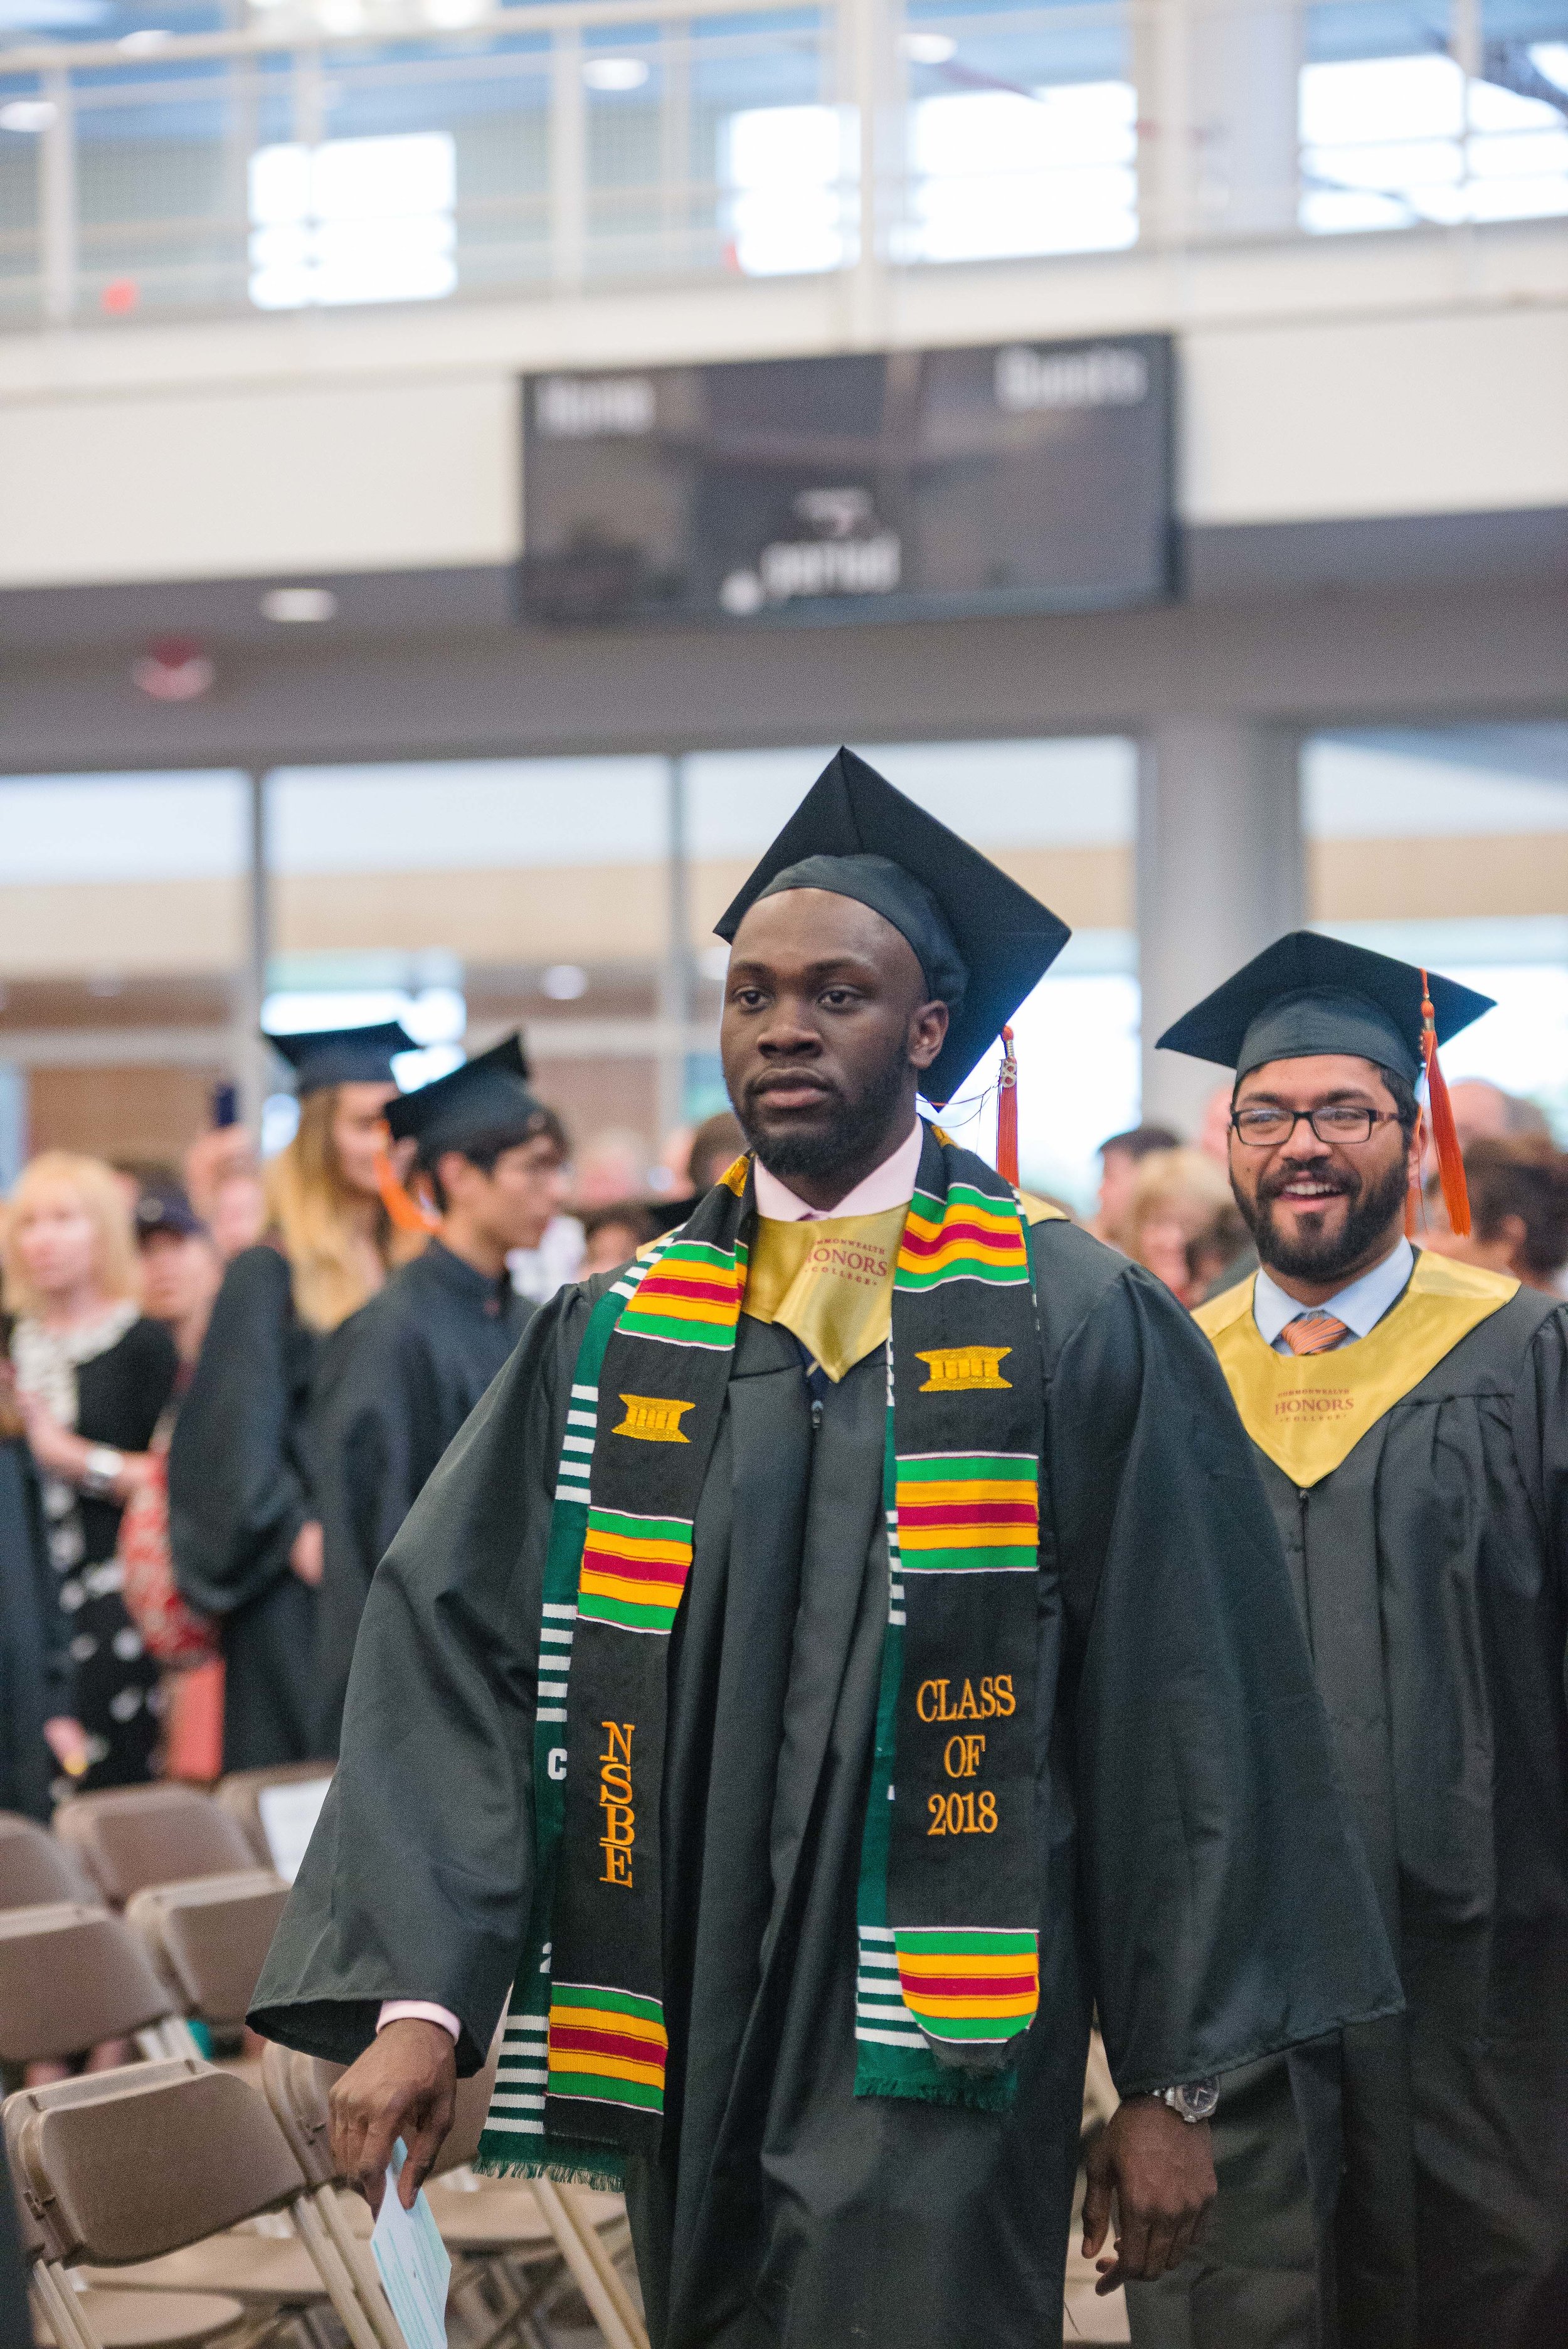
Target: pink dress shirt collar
{"points": [[890, 1184]]}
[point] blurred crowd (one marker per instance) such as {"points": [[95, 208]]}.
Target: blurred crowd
{"points": [[125, 1624]]}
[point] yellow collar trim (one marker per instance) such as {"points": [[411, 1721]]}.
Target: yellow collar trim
{"points": [[1308, 1414], [831, 1282]]}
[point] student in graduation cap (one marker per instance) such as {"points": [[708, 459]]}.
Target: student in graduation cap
{"points": [[411, 1364], [1409, 1416], [843, 1648], [244, 1530]]}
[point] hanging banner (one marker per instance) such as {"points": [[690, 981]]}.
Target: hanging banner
{"points": [[1022, 477]]}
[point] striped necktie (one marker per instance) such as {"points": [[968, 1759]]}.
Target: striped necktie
{"points": [[1314, 1332]]}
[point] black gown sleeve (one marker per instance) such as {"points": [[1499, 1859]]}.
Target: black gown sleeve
{"points": [[1228, 1909], [417, 1879], [237, 1487], [1540, 1444]]}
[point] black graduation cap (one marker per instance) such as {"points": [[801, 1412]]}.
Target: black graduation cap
{"points": [[343, 1056], [1309, 994], [484, 1100], [981, 941]]}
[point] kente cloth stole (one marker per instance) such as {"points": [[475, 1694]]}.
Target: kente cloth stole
{"points": [[948, 1972], [1309, 1411]]}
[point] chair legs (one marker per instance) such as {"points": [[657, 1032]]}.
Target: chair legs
{"points": [[592, 2269]]}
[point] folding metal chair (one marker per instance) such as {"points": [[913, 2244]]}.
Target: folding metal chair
{"points": [[141, 2173], [136, 1835], [207, 1940], [297, 2088], [114, 2319], [275, 1808], [35, 1867], [72, 1977]]}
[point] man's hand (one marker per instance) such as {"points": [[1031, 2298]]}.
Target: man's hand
{"points": [[1161, 2169], [404, 2085]]}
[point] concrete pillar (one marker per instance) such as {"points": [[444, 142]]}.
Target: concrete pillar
{"points": [[1217, 108], [250, 1063], [1221, 872]]}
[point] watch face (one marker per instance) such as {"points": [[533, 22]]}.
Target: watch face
{"points": [[1198, 2100]]}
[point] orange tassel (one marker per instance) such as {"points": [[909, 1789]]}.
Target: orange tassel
{"points": [[1008, 1113], [406, 1213], [1445, 1135]]}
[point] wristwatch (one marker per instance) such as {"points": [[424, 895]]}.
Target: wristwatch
{"points": [[1198, 2100], [103, 1466]]}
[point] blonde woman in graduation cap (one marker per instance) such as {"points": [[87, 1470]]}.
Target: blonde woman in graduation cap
{"points": [[244, 1529]]}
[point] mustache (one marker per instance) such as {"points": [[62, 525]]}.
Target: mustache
{"points": [[1274, 1186], [777, 1078]]}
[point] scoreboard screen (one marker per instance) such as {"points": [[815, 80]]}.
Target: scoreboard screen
{"points": [[899, 485]]}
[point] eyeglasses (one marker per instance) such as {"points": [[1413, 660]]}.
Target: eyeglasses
{"points": [[1265, 1124]]}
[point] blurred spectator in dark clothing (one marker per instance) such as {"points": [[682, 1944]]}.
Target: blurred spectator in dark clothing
{"points": [[39, 1727], [612, 1235], [1119, 1160], [223, 1183], [16, 2317], [180, 1268], [93, 1376], [1519, 1211]]}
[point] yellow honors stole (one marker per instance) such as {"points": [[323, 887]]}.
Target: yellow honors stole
{"points": [[830, 1284], [1308, 1412]]}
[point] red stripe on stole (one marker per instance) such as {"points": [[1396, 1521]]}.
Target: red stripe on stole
{"points": [[967, 1985], [606, 2043], [668, 1284], [634, 1569], [918, 1243], [959, 1514]]}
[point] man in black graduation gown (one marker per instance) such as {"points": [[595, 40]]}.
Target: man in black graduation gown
{"points": [[1411, 1421], [861, 2143], [408, 1367]]}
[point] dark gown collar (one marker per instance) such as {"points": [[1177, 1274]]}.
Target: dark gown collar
{"points": [[493, 1298]]}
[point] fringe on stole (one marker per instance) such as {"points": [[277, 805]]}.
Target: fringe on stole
{"points": [[599, 2168]]}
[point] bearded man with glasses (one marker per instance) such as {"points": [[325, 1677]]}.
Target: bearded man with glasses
{"points": [[1404, 2185]]}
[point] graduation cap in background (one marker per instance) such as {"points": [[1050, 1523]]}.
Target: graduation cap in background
{"points": [[981, 941], [1308, 994], [488, 1097], [343, 1056]]}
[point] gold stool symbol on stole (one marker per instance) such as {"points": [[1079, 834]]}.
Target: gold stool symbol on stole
{"points": [[951, 1368], [653, 1419]]}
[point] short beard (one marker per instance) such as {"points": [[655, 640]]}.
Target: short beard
{"points": [[857, 1126], [1316, 1258]]}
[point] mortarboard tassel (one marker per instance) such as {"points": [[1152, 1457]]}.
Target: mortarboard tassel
{"points": [[1008, 1113], [1445, 1133], [406, 1213]]}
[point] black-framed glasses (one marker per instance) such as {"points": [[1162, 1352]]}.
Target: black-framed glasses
{"points": [[1265, 1124]]}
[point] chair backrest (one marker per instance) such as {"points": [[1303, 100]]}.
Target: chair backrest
{"points": [[69, 1977], [35, 1867], [276, 1808], [208, 1939], [134, 1836], [297, 2087], [127, 2165]]}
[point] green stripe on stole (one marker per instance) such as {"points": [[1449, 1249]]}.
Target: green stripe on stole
{"points": [[947, 1882]]}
